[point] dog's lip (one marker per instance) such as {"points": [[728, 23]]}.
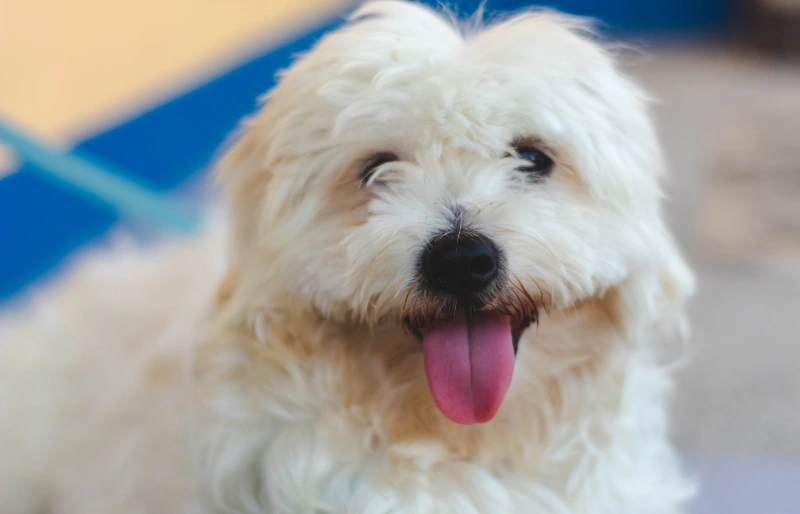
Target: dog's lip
{"points": [[520, 326], [518, 330]]}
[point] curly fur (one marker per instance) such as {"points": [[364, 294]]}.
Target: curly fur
{"points": [[308, 391]]}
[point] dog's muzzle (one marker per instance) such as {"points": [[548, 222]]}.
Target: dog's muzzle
{"points": [[462, 273], [468, 323]]}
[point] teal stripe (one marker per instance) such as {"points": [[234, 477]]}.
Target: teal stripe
{"points": [[104, 183]]}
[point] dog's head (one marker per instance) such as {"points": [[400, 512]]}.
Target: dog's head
{"points": [[461, 183]]}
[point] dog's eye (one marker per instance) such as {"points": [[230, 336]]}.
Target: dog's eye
{"points": [[539, 163], [374, 162]]}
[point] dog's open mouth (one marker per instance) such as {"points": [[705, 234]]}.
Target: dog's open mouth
{"points": [[469, 363], [469, 312]]}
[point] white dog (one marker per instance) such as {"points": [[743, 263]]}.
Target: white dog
{"points": [[438, 293]]}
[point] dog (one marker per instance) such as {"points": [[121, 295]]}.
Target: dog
{"points": [[437, 287]]}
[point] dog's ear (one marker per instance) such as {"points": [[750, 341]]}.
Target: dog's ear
{"points": [[674, 285], [654, 295], [244, 175]]}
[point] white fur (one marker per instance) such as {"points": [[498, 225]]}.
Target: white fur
{"points": [[309, 397]]}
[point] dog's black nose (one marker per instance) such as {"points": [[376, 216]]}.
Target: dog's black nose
{"points": [[460, 263]]}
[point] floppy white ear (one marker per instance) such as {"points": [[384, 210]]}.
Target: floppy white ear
{"points": [[244, 176], [675, 284], [654, 295]]}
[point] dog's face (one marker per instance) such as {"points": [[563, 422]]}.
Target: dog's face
{"points": [[458, 184]]}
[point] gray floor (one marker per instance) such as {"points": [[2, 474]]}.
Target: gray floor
{"points": [[745, 485], [731, 128]]}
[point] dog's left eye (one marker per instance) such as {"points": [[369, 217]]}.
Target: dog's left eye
{"points": [[539, 163], [372, 164]]}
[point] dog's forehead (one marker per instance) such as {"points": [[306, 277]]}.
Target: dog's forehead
{"points": [[432, 86]]}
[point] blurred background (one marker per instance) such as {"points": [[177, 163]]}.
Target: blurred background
{"points": [[151, 88]]}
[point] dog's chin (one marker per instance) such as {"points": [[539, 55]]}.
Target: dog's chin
{"points": [[469, 361]]}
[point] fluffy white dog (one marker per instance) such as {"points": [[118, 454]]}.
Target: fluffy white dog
{"points": [[438, 293]]}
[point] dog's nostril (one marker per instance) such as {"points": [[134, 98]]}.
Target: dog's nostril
{"points": [[460, 265], [481, 265]]}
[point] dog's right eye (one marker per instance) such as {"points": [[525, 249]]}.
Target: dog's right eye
{"points": [[372, 164]]}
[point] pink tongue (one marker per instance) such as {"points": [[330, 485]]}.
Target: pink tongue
{"points": [[469, 364]]}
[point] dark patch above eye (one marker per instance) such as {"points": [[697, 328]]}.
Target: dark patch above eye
{"points": [[539, 163], [373, 162]]}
